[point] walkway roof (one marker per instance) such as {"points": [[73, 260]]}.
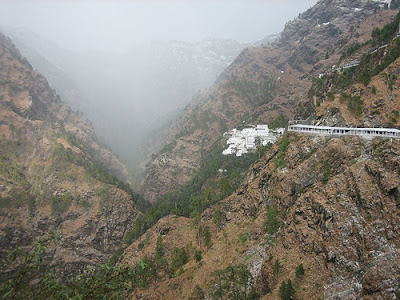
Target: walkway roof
{"points": [[345, 128]]}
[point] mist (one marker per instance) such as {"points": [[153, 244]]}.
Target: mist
{"points": [[118, 25], [130, 66]]}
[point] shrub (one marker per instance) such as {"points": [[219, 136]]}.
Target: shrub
{"points": [[299, 271], [326, 172], [234, 282], [283, 146], [178, 259], [217, 217], [60, 204], [197, 256], [286, 290], [330, 96], [242, 237], [207, 237], [276, 268], [159, 252], [272, 223], [365, 78], [355, 105], [280, 122]]}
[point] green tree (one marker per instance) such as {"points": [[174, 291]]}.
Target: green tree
{"points": [[276, 268], [207, 237], [217, 218], [178, 259], [299, 271], [197, 256], [159, 252], [234, 282], [326, 172], [272, 223], [286, 290]]}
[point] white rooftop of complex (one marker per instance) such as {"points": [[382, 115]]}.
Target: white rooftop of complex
{"points": [[363, 132], [243, 141]]}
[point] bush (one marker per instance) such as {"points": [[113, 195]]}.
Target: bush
{"points": [[283, 146], [299, 271], [243, 237], [286, 290], [159, 252], [279, 122], [217, 217], [352, 49], [276, 268], [272, 223], [354, 103], [326, 172], [234, 282], [60, 204], [207, 237], [178, 259], [197, 256], [365, 78], [330, 96]]}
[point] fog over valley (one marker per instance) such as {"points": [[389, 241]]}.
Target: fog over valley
{"points": [[132, 66]]}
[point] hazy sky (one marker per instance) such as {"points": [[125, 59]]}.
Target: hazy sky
{"points": [[117, 25]]}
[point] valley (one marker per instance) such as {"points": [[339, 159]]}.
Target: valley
{"points": [[303, 205]]}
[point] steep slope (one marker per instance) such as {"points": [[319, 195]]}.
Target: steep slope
{"points": [[341, 225], [322, 212], [261, 84], [51, 180]]}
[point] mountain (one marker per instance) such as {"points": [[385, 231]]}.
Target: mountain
{"points": [[53, 175], [260, 86], [316, 217], [127, 95], [308, 217]]}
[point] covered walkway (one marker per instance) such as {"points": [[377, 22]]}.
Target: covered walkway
{"points": [[363, 132]]}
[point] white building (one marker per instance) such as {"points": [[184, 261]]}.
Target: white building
{"points": [[243, 141]]}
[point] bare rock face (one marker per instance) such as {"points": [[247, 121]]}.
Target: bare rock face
{"points": [[50, 181], [261, 84]]}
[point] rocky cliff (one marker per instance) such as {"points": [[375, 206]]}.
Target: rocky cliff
{"points": [[52, 178], [262, 84]]}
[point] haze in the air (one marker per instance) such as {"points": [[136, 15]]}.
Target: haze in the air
{"points": [[117, 25], [130, 66]]}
